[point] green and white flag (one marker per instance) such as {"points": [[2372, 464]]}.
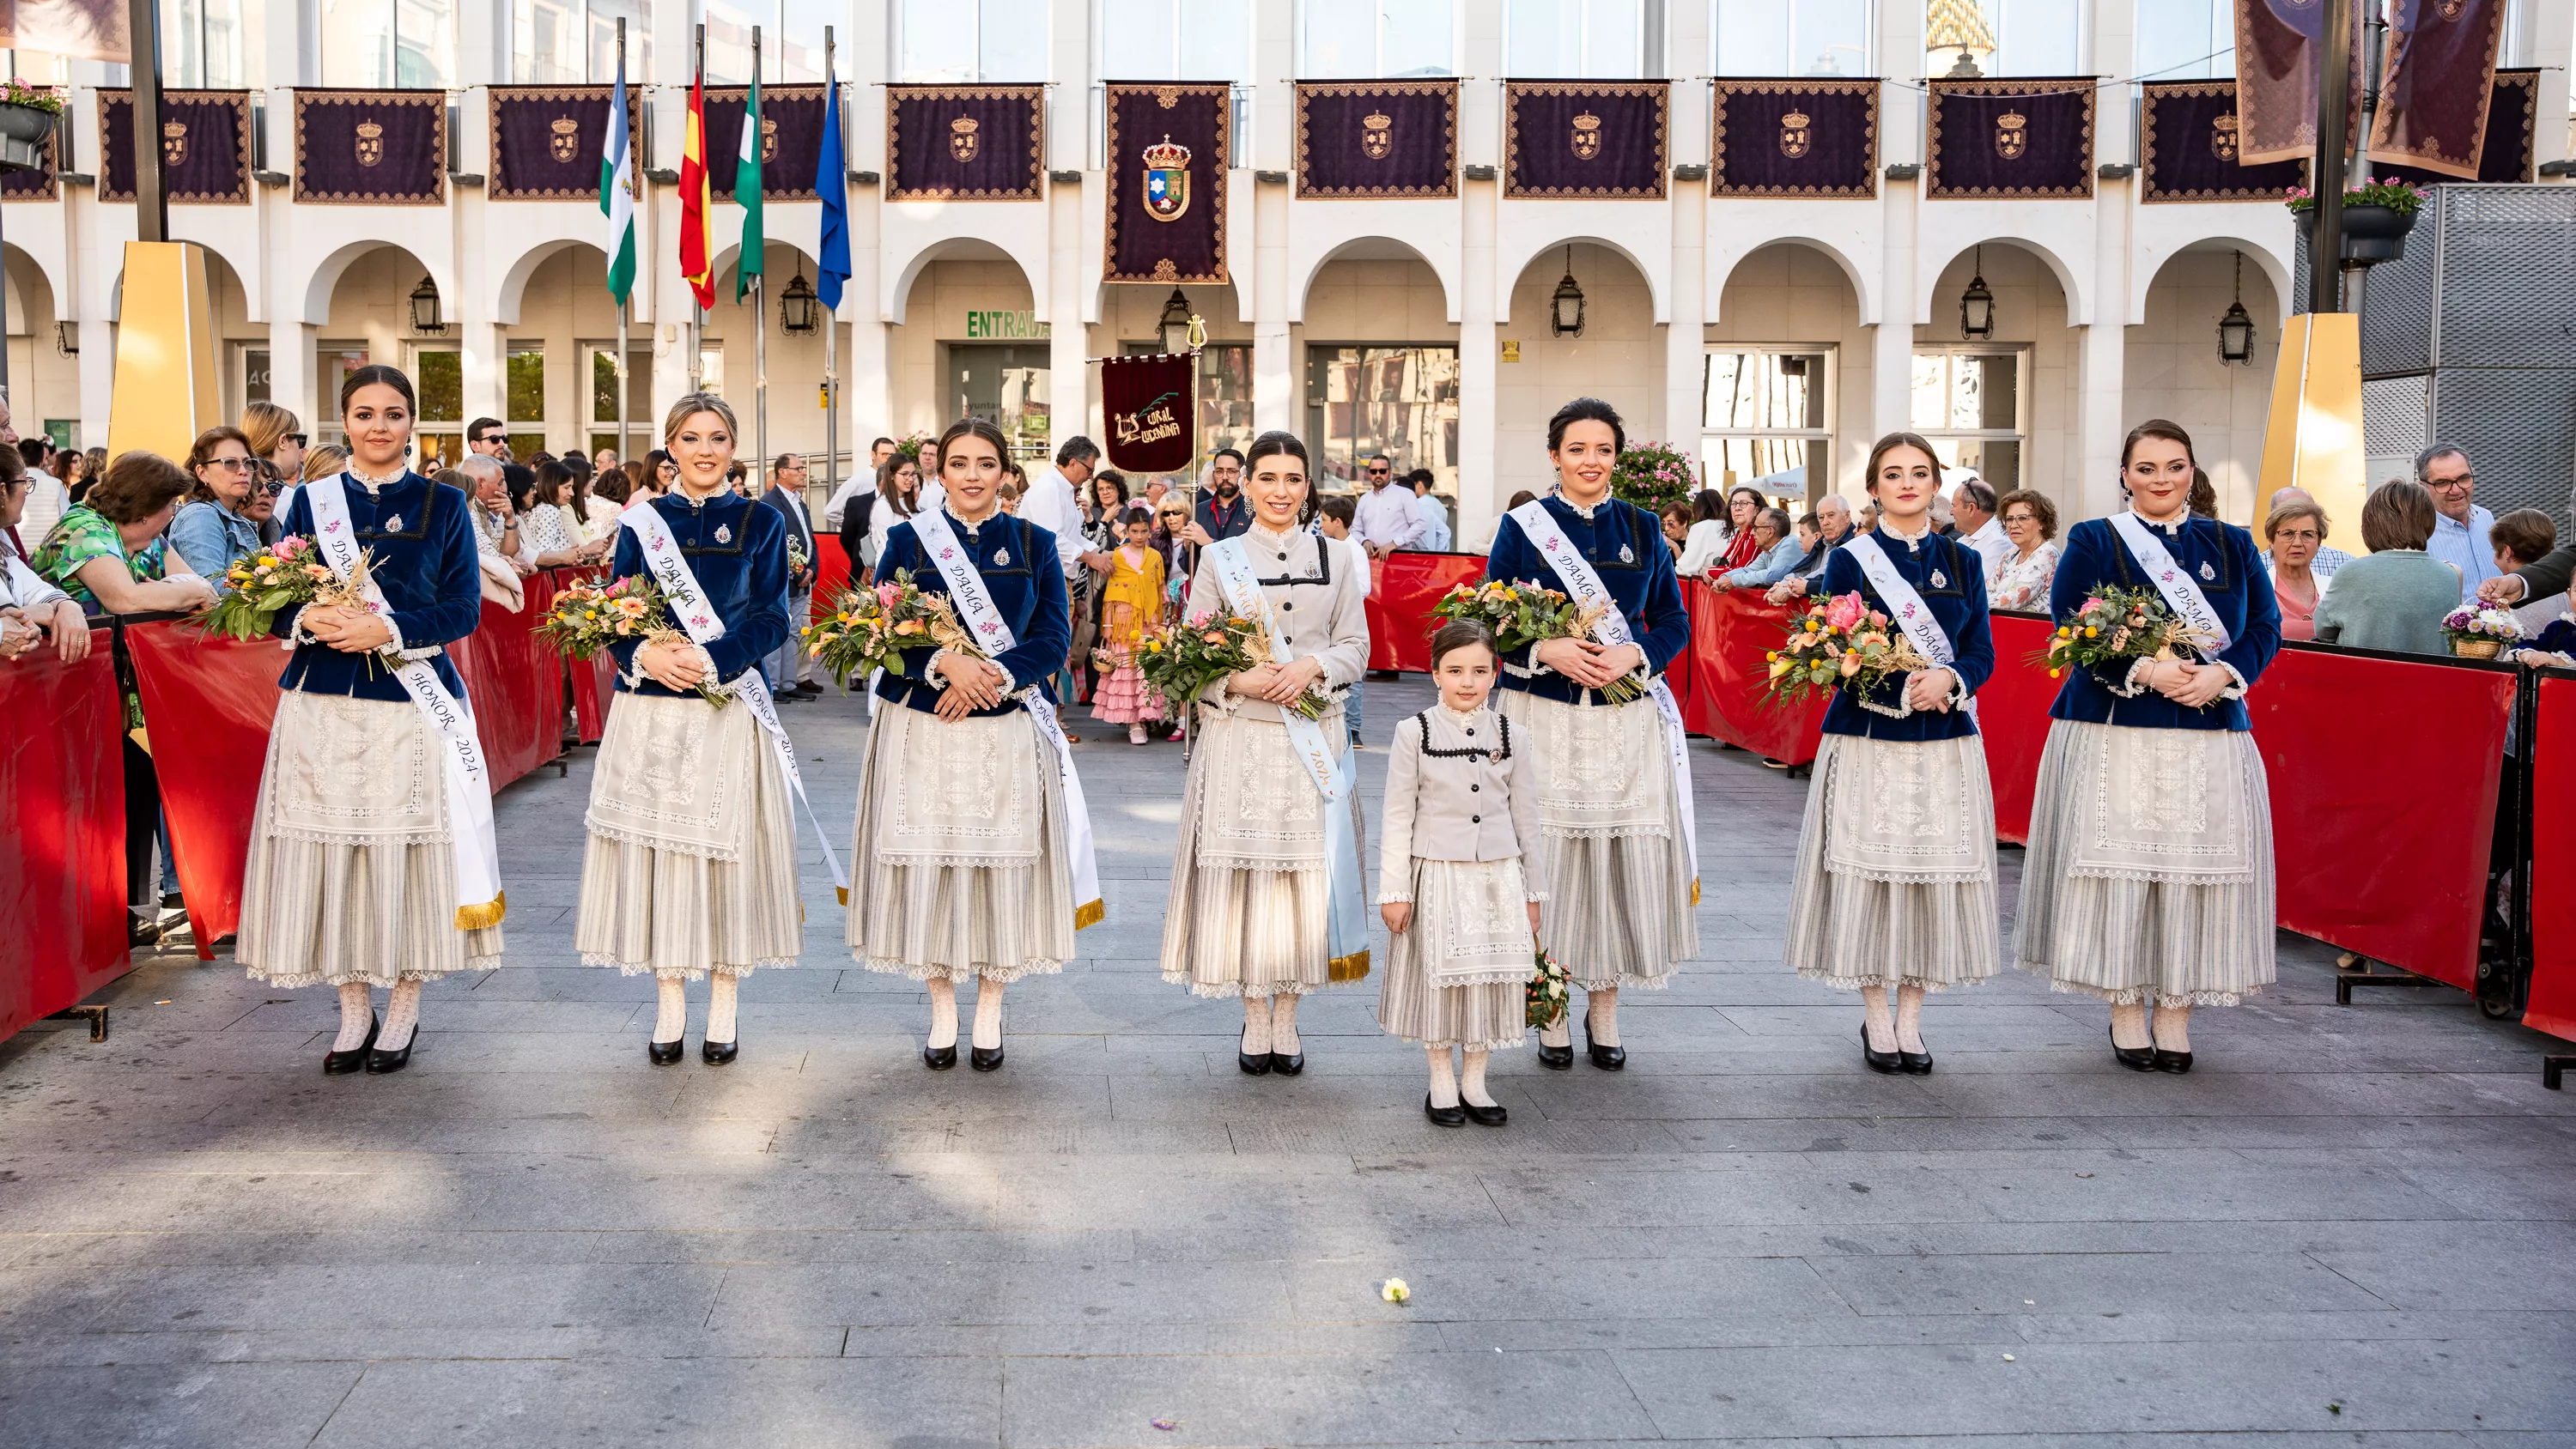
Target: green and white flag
{"points": [[746, 192], [617, 192]]}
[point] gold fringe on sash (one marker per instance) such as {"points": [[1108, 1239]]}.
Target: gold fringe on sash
{"points": [[1353, 967], [1086, 917], [483, 917]]}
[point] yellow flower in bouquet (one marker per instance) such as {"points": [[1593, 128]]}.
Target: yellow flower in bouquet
{"points": [[586, 618], [868, 629]]}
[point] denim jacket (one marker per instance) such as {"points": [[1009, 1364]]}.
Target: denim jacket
{"points": [[212, 538]]}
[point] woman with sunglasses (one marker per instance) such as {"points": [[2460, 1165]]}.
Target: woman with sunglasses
{"points": [[275, 435], [215, 528]]}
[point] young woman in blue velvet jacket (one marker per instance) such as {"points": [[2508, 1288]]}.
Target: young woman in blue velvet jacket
{"points": [[2149, 876], [1896, 866]]}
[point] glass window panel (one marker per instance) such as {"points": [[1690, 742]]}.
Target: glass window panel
{"points": [[799, 55], [2037, 37], [1007, 385], [1996, 460], [1614, 39], [711, 372], [440, 376], [1780, 467], [1225, 396], [526, 385], [938, 41], [601, 54], [603, 384], [1543, 38], [1136, 41], [425, 44], [1340, 39], [2185, 39], [729, 41], [1216, 40], [333, 362], [1793, 37], [1753, 37], [1998, 390], [545, 39], [1014, 41], [1402, 401], [357, 42], [255, 374], [1931, 391], [1415, 38]]}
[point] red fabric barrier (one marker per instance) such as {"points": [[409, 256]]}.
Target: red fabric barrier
{"points": [[2012, 715], [62, 833], [831, 570], [2382, 839], [1409, 587], [1730, 634], [2552, 1006], [219, 696], [516, 684]]}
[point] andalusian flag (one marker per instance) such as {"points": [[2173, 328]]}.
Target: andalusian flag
{"points": [[617, 192], [746, 192], [695, 253]]}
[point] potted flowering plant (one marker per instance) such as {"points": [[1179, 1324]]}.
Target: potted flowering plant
{"points": [[2376, 217], [27, 117], [2480, 631], [1651, 475]]}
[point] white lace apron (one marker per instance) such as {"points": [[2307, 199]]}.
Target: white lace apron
{"points": [[2168, 805], [675, 775], [1905, 813], [967, 795]]}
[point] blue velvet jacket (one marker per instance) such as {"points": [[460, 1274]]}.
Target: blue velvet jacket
{"points": [[422, 547], [1952, 580], [2223, 560], [1021, 572], [738, 550], [1626, 547]]}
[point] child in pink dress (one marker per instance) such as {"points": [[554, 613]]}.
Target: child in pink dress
{"points": [[1129, 605]]}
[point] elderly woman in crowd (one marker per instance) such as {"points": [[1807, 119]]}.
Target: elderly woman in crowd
{"points": [[1779, 552], [30, 608], [2395, 597], [215, 528], [2292, 533], [2021, 579], [1266, 892]]}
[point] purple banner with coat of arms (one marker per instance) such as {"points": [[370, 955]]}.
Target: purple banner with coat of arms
{"points": [[791, 140], [547, 142], [965, 143], [1168, 149], [1378, 140], [2191, 145], [41, 184], [205, 146], [1794, 138], [1585, 139], [2010, 139], [2435, 95], [2505, 155], [371, 148]]}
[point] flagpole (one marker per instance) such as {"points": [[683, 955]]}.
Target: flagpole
{"points": [[698, 314], [831, 326], [625, 304], [759, 302]]}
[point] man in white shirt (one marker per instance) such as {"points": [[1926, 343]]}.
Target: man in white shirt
{"points": [[1049, 504], [1973, 504], [1388, 518], [857, 483], [2459, 525], [1435, 535]]}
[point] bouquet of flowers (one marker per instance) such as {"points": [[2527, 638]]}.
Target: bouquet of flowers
{"points": [[1523, 614], [1543, 1000], [868, 628], [2115, 624], [260, 584], [795, 558], [587, 617], [1651, 475], [1186, 658], [2480, 631], [1840, 642]]}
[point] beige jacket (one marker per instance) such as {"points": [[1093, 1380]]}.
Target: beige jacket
{"points": [[1452, 799], [1322, 604]]}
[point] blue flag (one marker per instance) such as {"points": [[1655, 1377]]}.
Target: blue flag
{"points": [[833, 185]]}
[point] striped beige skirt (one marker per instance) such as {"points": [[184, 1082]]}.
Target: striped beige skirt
{"points": [[690, 866], [960, 866], [1619, 910], [1896, 866], [1248, 906], [352, 873], [1456, 975], [2149, 874]]}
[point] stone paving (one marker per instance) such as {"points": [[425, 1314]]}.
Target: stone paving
{"points": [[2348, 1226]]}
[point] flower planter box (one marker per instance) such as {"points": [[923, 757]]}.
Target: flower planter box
{"points": [[2371, 234]]}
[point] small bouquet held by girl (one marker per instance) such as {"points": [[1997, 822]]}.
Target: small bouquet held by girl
{"points": [[1840, 642], [1523, 614], [2480, 631], [588, 617], [1185, 659], [868, 628], [2114, 624], [258, 585]]}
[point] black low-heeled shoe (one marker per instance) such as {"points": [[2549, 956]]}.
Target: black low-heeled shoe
{"points": [[1254, 1064], [1287, 1064], [984, 1059], [1876, 1060], [2174, 1062], [341, 1064], [1916, 1064], [1607, 1058], [384, 1063], [2136, 1059], [939, 1059], [1493, 1116], [1556, 1059], [717, 1053], [665, 1053], [1444, 1116]]}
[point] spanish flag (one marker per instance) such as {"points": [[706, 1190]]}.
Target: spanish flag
{"points": [[695, 254]]}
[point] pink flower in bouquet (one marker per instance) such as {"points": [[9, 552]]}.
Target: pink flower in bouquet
{"points": [[887, 593], [291, 545], [2091, 604], [1845, 610], [1877, 620]]}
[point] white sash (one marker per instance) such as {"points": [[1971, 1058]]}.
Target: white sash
{"points": [[1345, 922], [2172, 580], [1904, 604], [1585, 588], [697, 618], [992, 634], [480, 901]]}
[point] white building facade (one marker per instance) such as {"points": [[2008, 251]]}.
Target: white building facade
{"points": [[1766, 336]]}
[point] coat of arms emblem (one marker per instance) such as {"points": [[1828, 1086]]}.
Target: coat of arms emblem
{"points": [[1377, 135], [1587, 136], [564, 139], [2222, 137], [1794, 135], [371, 143], [1167, 180], [961, 138], [2012, 135], [174, 142], [768, 140]]}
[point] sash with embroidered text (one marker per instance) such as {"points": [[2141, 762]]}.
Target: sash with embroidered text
{"points": [[2173, 581], [1904, 604]]}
